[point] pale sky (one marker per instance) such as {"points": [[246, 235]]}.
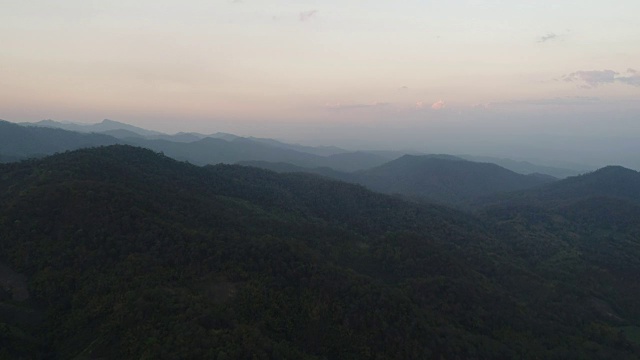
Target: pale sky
{"points": [[328, 71]]}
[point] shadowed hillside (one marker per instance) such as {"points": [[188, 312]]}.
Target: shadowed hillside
{"points": [[22, 142], [130, 254], [447, 180]]}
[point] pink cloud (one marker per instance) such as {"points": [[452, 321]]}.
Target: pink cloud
{"points": [[438, 105]]}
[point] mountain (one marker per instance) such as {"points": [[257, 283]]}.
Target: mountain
{"points": [[319, 150], [22, 142], [614, 182], [126, 253], [105, 125], [207, 151], [526, 167], [444, 178], [214, 151], [121, 134], [282, 167]]}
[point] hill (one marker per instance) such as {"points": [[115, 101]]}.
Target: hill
{"points": [[105, 126], [22, 142], [614, 182], [214, 151], [444, 179], [48, 137], [130, 254], [526, 167]]}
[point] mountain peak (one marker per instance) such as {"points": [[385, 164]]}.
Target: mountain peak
{"points": [[615, 170], [111, 122]]}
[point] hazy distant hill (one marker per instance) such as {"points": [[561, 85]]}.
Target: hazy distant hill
{"points": [[104, 126], [282, 167], [526, 167], [614, 182], [316, 150], [21, 142], [444, 179], [336, 158], [214, 151], [130, 254], [122, 134]]}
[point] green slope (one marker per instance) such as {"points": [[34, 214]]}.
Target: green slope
{"points": [[130, 254]]}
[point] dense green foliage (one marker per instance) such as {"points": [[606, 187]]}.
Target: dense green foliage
{"points": [[130, 254]]}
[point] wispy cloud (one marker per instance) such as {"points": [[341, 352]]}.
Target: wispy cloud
{"points": [[438, 105], [632, 78], [547, 37], [307, 15], [595, 78]]}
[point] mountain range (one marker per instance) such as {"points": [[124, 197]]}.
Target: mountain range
{"points": [[126, 253], [344, 160]]}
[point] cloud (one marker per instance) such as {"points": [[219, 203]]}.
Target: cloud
{"points": [[307, 15], [632, 78], [438, 105], [548, 37], [595, 78], [592, 78]]}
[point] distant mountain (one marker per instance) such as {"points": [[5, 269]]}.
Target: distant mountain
{"points": [[105, 125], [444, 178], [21, 142], [121, 134], [214, 151], [610, 181], [223, 136], [238, 149], [614, 182], [282, 167], [316, 150], [526, 167]]}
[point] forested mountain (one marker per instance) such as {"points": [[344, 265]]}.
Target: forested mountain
{"points": [[526, 167], [445, 179], [614, 182], [130, 254], [214, 151], [282, 167], [441, 178]]}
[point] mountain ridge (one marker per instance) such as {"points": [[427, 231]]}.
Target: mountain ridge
{"points": [[224, 259]]}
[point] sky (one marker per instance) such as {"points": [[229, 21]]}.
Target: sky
{"points": [[456, 76]]}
